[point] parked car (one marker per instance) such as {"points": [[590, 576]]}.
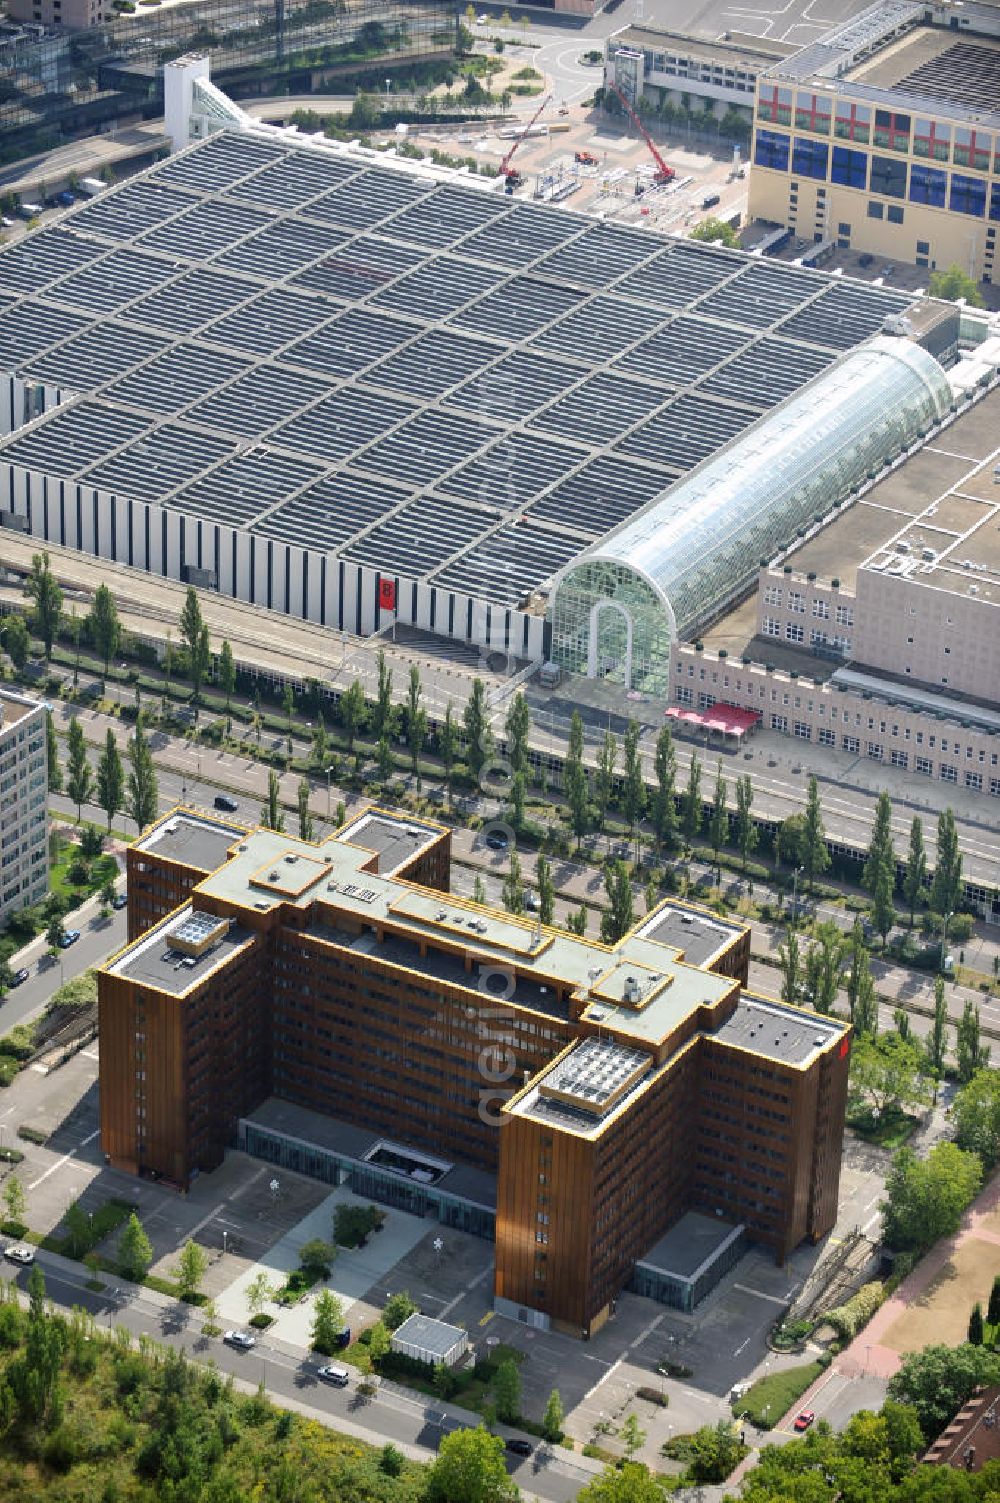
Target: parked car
{"points": [[225, 802], [532, 902], [520, 1447], [20, 1253], [241, 1340], [710, 200], [120, 900], [588, 158], [21, 975], [331, 1373], [69, 938], [496, 841], [804, 1419]]}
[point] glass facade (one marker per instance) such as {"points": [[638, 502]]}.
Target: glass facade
{"points": [[609, 622], [968, 195], [771, 150], [888, 177], [382, 1185], [928, 185], [849, 167], [698, 546], [58, 85], [809, 158]]}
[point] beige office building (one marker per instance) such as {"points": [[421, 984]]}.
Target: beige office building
{"points": [[24, 803], [884, 136]]}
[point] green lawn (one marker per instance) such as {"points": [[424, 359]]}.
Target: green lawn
{"points": [[773, 1396], [891, 1130]]}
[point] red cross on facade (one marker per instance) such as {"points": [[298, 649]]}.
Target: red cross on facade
{"points": [[815, 115], [930, 135], [857, 122]]}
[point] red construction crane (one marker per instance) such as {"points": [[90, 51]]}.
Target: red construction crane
{"points": [[663, 173], [514, 179]]}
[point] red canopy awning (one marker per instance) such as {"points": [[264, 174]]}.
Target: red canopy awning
{"points": [[730, 720]]}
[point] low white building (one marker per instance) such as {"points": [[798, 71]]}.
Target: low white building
{"points": [[431, 1341], [24, 803]]}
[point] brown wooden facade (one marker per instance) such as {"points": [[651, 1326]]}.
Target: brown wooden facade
{"points": [[351, 1022]]}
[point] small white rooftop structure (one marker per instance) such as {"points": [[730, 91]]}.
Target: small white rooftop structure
{"points": [[430, 1341]]}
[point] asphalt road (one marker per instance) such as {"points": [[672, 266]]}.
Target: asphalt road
{"points": [[408, 1421], [98, 939]]}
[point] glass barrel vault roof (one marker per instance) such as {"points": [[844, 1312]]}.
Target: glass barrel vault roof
{"points": [[700, 543]]}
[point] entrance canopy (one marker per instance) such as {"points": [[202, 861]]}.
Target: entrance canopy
{"points": [[728, 719]]}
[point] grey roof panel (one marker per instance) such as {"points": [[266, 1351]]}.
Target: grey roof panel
{"points": [[431, 373]]}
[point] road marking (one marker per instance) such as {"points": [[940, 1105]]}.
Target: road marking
{"points": [[602, 1379], [872, 1221], [64, 1160], [693, 1393], [772, 1299], [205, 1220], [447, 1309], [742, 1347], [90, 1054]]}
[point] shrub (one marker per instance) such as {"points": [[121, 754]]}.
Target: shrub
{"points": [[653, 1396], [398, 1307], [850, 1318], [11, 1326], [61, 1449], [262, 1321]]}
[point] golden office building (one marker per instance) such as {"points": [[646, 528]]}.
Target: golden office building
{"points": [[334, 1010], [884, 136]]}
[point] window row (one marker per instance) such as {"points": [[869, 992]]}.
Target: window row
{"points": [[888, 129], [890, 177]]}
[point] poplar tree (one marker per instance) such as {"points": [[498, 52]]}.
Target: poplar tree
{"points": [[110, 779], [575, 779], [915, 876], [227, 674], [815, 855], [718, 821], [448, 746], [383, 715], [692, 802], [52, 753], [747, 833], [518, 728], [606, 758], [141, 788], [546, 890], [104, 625], [42, 588], [665, 797], [634, 787], [619, 916], [881, 854], [478, 735], [80, 778]]}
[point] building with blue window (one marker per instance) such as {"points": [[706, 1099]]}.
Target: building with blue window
{"points": [[884, 136]]}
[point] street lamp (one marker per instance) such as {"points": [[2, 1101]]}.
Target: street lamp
{"points": [[388, 85], [329, 771], [944, 936], [795, 895]]}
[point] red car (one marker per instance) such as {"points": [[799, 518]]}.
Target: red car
{"points": [[804, 1419], [588, 159]]}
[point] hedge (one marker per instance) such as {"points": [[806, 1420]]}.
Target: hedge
{"points": [[850, 1318]]}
